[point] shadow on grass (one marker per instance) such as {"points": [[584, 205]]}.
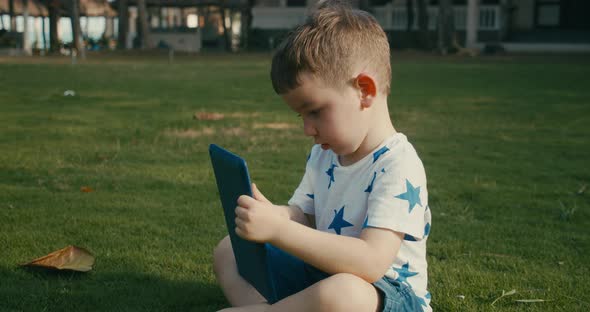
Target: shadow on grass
{"points": [[26, 289]]}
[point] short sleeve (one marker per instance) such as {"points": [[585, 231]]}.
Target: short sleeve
{"points": [[304, 194], [399, 199]]}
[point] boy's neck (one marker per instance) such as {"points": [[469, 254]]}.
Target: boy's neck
{"points": [[381, 129]]}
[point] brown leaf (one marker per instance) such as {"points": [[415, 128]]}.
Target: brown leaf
{"points": [[69, 258], [208, 116], [86, 189]]}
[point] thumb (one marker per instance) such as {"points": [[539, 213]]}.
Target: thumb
{"points": [[258, 195]]}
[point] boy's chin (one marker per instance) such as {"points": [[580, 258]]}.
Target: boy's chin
{"points": [[325, 147]]}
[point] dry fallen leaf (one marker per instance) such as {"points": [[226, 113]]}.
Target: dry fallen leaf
{"points": [[69, 258], [86, 189], [208, 116]]}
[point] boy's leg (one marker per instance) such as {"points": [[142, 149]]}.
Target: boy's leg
{"points": [[237, 291], [337, 293]]}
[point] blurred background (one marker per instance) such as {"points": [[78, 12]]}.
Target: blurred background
{"points": [[490, 26]]}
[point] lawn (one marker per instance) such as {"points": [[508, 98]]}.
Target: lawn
{"points": [[505, 143]]}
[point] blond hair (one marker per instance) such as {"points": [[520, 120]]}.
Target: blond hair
{"points": [[333, 42]]}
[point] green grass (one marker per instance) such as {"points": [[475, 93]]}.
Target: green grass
{"points": [[505, 143]]}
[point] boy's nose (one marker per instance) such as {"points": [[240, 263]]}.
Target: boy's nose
{"points": [[308, 128]]}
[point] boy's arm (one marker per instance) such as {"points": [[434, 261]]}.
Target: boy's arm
{"points": [[367, 257], [296, 214]]}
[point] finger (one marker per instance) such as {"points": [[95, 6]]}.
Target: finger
{"points": [[257, 194], [240, 223], [245, 201], [241, 213], [240, 233]]}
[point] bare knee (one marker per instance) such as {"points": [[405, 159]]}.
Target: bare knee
{"points": [[223, 256], [347, 292]]}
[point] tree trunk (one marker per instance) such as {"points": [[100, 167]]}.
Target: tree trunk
{"points": [[445, 27], [76, 29], [410, 15], [507, 12], [123, 25], [472, 23], [424, 35], [54, 8], [226, 31], [11, 14], [43, 30], [247, 22], [26, 45], [143, 25]]}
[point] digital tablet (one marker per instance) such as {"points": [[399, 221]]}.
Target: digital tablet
{"points": [[233, 180]]}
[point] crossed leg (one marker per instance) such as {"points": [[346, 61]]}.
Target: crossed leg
{"points": [[340, 292], [235, 288]]}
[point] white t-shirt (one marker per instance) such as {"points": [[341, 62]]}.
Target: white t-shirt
{"points": [[385, 189]]}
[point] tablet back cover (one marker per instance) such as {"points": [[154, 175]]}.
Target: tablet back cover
{"points": [[233, 181]]}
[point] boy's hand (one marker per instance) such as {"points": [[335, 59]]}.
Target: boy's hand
{"points": [[257, 219]]}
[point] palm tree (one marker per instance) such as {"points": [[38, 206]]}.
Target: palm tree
{"points": [[54, 8], [247, 22], [410, 15], [446, 27], [76, 29], [424, 36], [11, 14], [122, 10], [472, 23], [143, 24]]}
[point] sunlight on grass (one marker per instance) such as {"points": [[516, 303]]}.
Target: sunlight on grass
{"points": [[503, 140]]}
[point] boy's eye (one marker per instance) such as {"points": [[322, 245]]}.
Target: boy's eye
{"points": [[311, 113], [314, 112]]}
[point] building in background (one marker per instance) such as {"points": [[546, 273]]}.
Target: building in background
{"points": [[518, 25], [192, 25]]}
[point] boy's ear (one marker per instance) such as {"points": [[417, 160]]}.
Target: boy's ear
{"points": [[368, 88]]}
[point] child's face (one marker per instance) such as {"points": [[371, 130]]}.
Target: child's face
{"points": [[333, 117]]}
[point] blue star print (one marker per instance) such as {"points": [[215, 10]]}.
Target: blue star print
{"points": [[426, 229], [330, 173], [310, 196], [422, 302], [380, 152], [370, 187], [338, 223], [409, 238], [366, 223], [404, 273], [412, 195]]}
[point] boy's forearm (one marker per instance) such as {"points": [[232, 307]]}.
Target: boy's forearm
{"points": [[296, 214], [329, 252]]}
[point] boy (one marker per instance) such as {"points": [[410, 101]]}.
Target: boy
{"points": [[353, 236]]}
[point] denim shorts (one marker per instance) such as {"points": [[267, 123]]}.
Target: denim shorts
{"points": [[291, 275]]}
